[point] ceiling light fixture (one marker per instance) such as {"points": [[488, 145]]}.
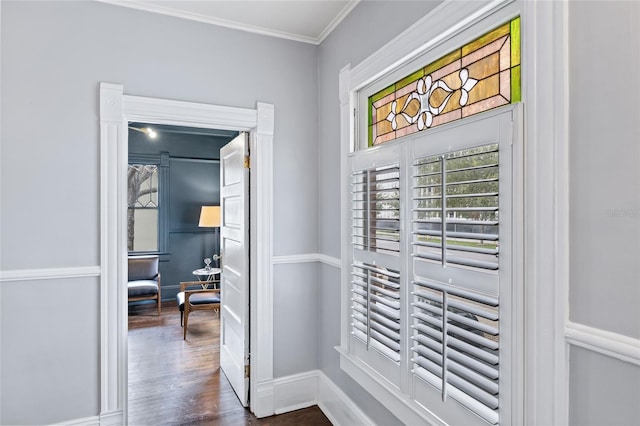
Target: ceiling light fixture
{"points": [[147, 131]]}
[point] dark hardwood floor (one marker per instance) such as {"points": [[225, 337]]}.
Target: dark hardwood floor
{"points": [[178, 382]]}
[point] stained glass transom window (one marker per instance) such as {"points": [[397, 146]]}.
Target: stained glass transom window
{"points": [[481, 75]]}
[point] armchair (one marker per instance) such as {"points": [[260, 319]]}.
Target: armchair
{"points": [[144, 279], [198, 299]]}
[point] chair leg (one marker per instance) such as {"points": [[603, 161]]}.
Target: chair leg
{"points": [[181, 316], [186, 321], [159, 306]]}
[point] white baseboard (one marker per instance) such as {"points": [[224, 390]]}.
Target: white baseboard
{"points": [[315, 388], [337, 406], [262, 404], [295, 392], [113, 418]]}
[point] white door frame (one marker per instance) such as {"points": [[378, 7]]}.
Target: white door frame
{"points": [[116, 110]]}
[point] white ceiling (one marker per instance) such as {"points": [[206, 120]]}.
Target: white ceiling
{"points": [[309, 21]]}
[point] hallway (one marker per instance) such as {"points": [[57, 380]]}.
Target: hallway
{"points": [[178, 382]]}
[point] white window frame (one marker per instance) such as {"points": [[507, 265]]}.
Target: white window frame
{"points": [[544, 400]]}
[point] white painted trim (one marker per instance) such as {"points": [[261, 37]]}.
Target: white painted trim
{"points": [[169, 11], [435, 28], [113, 418], [336, 21], [397, 403], [295, 392], [307, 258], [605, 342], [49, 274], [337, 406], [261, 291], [87, 421], [116, 109], [545, 91], [315, 388]]}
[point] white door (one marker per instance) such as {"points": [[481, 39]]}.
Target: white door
{"points": [[234, 311]]}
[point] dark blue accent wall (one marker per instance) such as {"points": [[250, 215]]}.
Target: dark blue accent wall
{"points": [[193, 181]]}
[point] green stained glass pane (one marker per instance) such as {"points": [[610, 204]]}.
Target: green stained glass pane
{"points": [[485, 39], [370, 137], [515, 42], [370, 115], [410, 79], [515, 85], [445, 60], [384, 92]]}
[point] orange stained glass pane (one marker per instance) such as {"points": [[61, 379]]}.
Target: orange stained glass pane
{"points": [[448, 69], [445, 60], [383, 127], [449, 116], [452, 80], [484, 105], [383, 112], [412, 107], [505, 55], [481, 75], [438, 97], [485, 67], [452, 104], [485, 88], [484, 51], [505, 84], [401, 121], [407, 130], [486, 39]]}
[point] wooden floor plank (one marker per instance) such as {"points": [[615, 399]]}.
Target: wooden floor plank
{"points": [[178, 382]]}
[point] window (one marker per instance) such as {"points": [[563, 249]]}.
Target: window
{"points": [[431, 311], [142, 207], [481, 75], [145, 195]]}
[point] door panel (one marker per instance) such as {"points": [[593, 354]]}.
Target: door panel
{"points": [[234, 312]]}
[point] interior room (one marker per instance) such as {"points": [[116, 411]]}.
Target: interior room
{"points": [[438, 222]]}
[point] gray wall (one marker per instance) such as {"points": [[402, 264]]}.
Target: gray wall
{"points": [[364, 30], [604, 204], [193, 181], [51, 69]]}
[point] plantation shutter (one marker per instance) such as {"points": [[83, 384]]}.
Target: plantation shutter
{"points": [[455, 304], [375, 289]]}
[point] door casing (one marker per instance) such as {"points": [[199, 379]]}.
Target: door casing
{"points": [[116, 110]]}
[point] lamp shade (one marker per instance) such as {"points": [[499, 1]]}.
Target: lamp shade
{"points": [[209, 217]]}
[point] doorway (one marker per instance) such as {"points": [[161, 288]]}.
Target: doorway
{"points": [[116, 110]]}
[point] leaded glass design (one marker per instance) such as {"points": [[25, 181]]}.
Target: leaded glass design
{"points": [[479, 76], [142, 212]]}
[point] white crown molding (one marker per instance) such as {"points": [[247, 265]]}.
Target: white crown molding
{"points": [[164, 10], [336, 21], [49, 274], [605, 342]]}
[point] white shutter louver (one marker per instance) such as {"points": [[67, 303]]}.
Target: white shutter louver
{"points": [[376, 209], [456, 327], [376, 308], [460, 188], [375, 289]]}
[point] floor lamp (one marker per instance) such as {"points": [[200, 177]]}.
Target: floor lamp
{"points": [[210, 218]]}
